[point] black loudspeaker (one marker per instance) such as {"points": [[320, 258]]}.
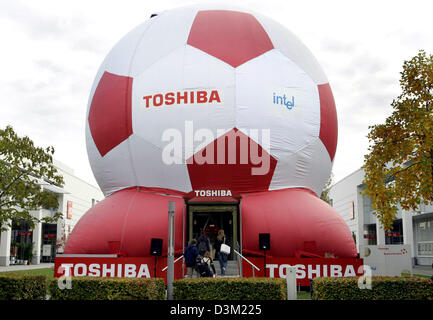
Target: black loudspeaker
{"points": [[156, 247], [264, 241]]}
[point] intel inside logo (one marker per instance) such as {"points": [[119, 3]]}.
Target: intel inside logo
{"points": [[284, 100]]}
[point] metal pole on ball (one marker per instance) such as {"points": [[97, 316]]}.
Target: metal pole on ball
{"points": [[170, 253]]}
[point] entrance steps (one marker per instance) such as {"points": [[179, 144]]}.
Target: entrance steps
{"points": [[232, 270]]}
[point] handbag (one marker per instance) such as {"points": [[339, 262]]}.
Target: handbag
{"points": [[225, 248]]}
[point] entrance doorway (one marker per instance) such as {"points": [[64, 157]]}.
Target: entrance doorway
{"points": [[212, 218]]}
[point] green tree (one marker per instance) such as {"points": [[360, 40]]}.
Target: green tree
{"points": [[325, 193], [23, 169], [399, 165]]}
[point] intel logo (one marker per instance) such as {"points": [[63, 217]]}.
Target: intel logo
{"points": [[284, 100]]}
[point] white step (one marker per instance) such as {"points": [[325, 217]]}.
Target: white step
{"points": [[232, 269]]}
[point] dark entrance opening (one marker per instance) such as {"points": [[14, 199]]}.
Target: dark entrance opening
{"points": [[210, 218]]}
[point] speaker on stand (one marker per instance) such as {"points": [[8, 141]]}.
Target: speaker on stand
{"points": [[156, 250], [265, 245]]}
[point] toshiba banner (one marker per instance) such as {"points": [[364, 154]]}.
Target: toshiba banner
{"points": [[136, 267], [306, 268]]}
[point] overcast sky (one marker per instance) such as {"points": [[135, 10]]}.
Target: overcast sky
{"points": [[51, 50]]}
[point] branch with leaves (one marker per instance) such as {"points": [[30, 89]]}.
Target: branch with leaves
{"points": [[325, 193], [399, 165], [23, 169]]}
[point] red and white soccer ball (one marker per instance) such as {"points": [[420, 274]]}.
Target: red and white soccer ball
{"points": [[165, 110], [227, 71]]}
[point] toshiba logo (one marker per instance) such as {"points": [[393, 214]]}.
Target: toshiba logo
{"points": [[186, 97]]}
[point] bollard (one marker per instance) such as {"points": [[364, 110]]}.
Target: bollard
{"points": [[311, 288], [291, 283], [170, 250]]}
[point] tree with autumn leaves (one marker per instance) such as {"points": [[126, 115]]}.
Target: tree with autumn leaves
{"points": [[399, 165]]}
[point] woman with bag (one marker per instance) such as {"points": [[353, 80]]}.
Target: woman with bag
{"points": [[222, 249]]}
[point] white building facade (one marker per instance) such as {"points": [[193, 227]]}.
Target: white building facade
{"points": [[74, 199], [411, 228]]}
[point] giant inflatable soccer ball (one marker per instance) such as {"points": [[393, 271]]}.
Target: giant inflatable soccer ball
{"points": [[211, 75]]}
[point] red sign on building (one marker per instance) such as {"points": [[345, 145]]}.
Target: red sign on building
{"points": [[392, 234], [69, 210], [25, 233]]}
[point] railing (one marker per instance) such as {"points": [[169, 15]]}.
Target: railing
{"points": [[252, 264], [173, 262]]}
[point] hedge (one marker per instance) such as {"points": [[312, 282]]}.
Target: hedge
{"points": [[15, 286], [229, 289], [93, 288], [383, 288]]}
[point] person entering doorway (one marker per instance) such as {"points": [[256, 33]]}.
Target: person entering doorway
{"points": [[222, 257], [190, 253], [203, 244]]}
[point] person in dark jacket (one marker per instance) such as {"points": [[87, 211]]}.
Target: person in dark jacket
{"points": [[203, 244], [190, 254]]}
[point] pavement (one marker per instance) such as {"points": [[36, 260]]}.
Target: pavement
{"points": [[27, 267], [424, 270]]}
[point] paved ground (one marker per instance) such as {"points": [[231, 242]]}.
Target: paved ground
{"points": [[425, 270], [28, 267]]}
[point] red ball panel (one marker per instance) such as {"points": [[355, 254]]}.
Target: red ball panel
{"points": [[231, 36], [110, 120], [328, 119], [234, 174], [297, 220]]}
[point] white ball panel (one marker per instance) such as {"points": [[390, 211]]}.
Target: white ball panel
{"points": [[256, 83], [158, 174], [114, 171], [168, 31], [177, 72], [290, 45], [308, 168]]}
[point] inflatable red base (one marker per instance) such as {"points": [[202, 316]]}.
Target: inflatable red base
{"points": [[299, 224]]}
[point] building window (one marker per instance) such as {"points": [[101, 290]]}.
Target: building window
{"points": [[425, 248], [352, 211], [367, 208], [370, 234], [368, 205], [395, 236], [49, 239], [93, 202], [424, 236], [21, 240]]}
